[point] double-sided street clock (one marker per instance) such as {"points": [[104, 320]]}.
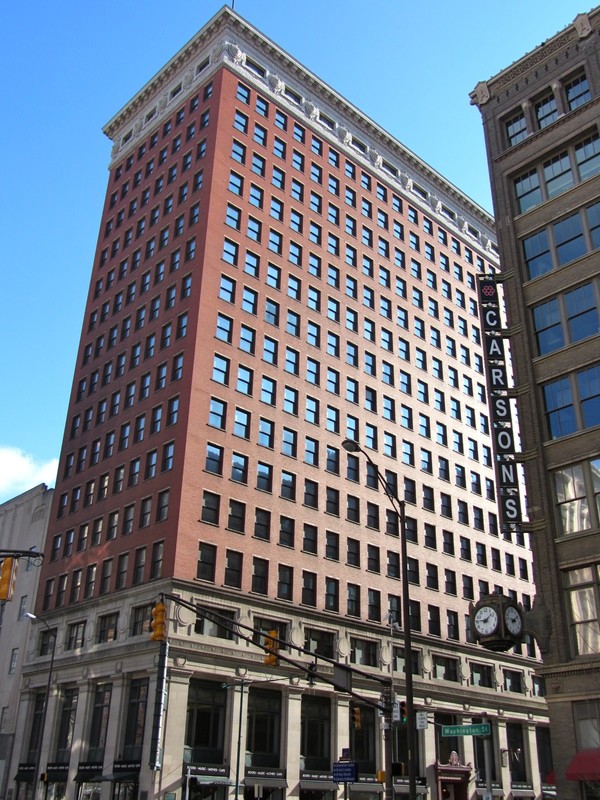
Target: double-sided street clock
{"points": [[497, 622]]}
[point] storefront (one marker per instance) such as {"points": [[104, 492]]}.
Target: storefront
{"points": [[264, 784], [453, 778], [315, 786], [125, 779], [87, 780]]}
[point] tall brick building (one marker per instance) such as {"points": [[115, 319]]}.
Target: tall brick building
{"points": [[540, 120], [274, 274]]}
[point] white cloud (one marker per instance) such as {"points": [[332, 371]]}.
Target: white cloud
{"points": [[20, 471]]}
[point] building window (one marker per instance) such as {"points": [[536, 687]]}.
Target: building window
{"points": [[236, 519], [582, 587], [310, 538], [140, 620], [546, 110], [107, 628], [233, 569], [516, 128], [309, 588], [260, 575], [577, 91], [285, 582], [446, 668], [572, 403], [576, 491], [207, 554], [208, 624], [566, 319], [135, 719], [210, 508], [75, 636], [562, 242], [513, 681], [122, 567], [156, 562], [332, 592], [99, 722], [482, 675]]}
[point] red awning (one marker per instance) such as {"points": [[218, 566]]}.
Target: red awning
{"points": [[585, 766]]}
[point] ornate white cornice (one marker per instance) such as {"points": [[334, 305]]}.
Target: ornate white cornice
{"points": [[227, 40], [581, 28]]}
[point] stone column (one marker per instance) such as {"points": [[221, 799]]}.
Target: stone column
{"points": [[531, 751], [178, 683], [238, 703], [50, 728], [111, 751], [530, 117], [503, 748], [468, 742], [341, 727], [428, 753], [293, 743], [80, 729], [22, 730]]}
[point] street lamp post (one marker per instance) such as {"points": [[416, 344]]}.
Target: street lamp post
{"points": [[394, 627], [38, 756], [398, 506]]}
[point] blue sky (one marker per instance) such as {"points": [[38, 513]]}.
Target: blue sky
{"points": [[68, 67]]}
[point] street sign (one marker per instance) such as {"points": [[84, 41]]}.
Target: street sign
{"points": [[345, 771], [422, 722], [483, 729]]}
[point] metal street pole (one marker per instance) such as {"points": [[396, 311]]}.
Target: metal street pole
{"points": [[242, 684], [38, 755], [398, 506], [388, 749], [487, 760], [408, 673], [394, 628]]}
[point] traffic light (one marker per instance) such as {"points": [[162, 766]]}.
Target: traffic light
{"points": [[403, 712], [159, 622], [8, 575], [271, 645], [356, 718], [381, 776], [312, 673], [399, 769]]}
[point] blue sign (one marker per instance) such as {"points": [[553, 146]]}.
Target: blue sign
{"points": [[345, 771]]}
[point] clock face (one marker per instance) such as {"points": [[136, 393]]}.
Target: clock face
{"points": [[486, 620], [513, 620]]}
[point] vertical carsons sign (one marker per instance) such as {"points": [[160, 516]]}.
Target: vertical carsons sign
{"points": [[503, 430]]}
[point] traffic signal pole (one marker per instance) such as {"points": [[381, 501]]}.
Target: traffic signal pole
{"points": [[158, 625]]}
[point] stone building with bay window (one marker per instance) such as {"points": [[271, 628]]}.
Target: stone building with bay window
{"points": [[540, 118]]}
